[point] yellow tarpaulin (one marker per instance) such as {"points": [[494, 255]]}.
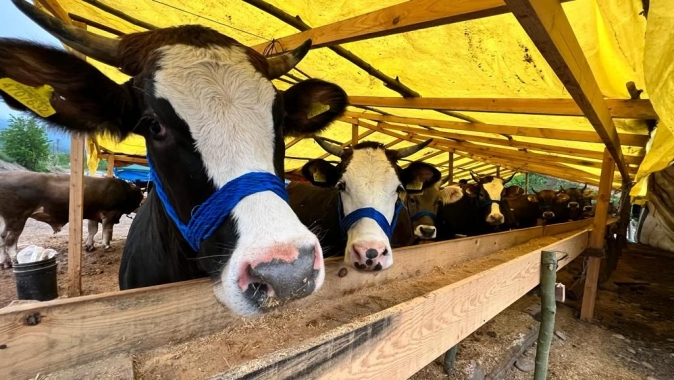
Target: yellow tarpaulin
{"points": [[486, 57]]}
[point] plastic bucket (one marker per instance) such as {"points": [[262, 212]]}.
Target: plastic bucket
{"points": [[36, 281]]}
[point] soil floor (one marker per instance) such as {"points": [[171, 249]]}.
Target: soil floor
{"points": [[632, 336]]}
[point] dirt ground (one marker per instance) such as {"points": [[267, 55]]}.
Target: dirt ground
{"points": [[632, 336], [99, 268]]}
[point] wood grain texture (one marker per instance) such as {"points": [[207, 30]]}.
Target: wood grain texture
{"points": [[395, 343], [111, 165], [75, 212], [401, 18], [548, 27]]}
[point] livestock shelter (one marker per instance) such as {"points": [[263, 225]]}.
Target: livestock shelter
{"points": [[579, 90]]}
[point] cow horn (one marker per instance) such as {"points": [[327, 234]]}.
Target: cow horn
{"points": [[584, 187], [410, 150], [444, 180], [282, 63], [100, 48], [535, 192], [328, 147], [476, 177], [511, 178]]}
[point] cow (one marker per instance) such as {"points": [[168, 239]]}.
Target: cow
{"points": [[513, 191], [214, 128], [577, 205], [45, 197], [482, 209], [355, 204], [424, 205], [551, 205]]}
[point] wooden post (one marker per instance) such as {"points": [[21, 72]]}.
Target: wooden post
{"points": [[111, 164], [450, 163], [498, 171], [354, 134], [76, 201], [526, 183], [596, 244]]}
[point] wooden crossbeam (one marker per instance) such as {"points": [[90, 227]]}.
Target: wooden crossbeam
{"points": [[400, 18], [618, 108], [548, 27], [510, 130]]}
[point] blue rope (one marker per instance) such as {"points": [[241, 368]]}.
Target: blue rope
{"points": [[489, 203], [345, 222], [210, 215], [421, 214]]}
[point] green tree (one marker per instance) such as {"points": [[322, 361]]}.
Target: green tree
{"points": [[25, 141]]}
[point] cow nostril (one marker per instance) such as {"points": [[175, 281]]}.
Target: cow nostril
{"points": [[371, 253]]}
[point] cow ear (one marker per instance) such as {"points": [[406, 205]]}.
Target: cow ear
{"points": [[451, 194], [321, 173], [532, 198], [311, 106], [470, 190], [562, 197], [63, 90], [419, 176]]}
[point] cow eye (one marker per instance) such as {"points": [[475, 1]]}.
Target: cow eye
{"points": [[158, 131], [400, 189], [413, 201], [341, 186]]}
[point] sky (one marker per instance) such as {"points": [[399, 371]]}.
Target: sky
{"points": [[15, 24]]}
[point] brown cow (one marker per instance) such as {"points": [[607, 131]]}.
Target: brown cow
{"points": [[45, 197]]}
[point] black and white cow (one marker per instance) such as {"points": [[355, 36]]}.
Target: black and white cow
{"points": [[355, 203], [214, 127]]}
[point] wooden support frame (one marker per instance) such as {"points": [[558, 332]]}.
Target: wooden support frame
{"points": [[111, 165], [450, 165], [548, 27], [597, 240], [68, 332], [617, 108], [400, 18]]}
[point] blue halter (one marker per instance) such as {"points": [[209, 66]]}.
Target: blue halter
{"points": [[209, 215], [345, 222], [489, 203], [421, 214]]}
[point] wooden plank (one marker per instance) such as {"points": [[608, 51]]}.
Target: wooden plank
{"points": [[560, 228], [354, 134], [400, 18], [450, 170], [397, 342], [111, 165], [618, 108], [548, 27], [75, 212], [507, 130], [56, 9], [293, 142], [597, 240]]}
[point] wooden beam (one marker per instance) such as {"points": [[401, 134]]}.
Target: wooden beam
{"points": [[293, 142], [400, 18], [598, 236], [56, 9], [354, 134], [95, 24], [397, 342], [548, 27], [111, 165], [526, 183], [344, 145], [450, 166], [75, 213], [618, 108], [79, 330], [120, 14], [509, 130]]}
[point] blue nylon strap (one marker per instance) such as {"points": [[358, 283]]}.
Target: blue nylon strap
{"points": [[367, 212], [421, 214], [210, 215], [489, 203]]}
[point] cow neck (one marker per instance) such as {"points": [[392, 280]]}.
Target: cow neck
{"points": [[345, 222], [210, 214]]}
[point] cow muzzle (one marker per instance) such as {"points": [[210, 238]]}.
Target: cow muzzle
{"points": [[495, 219], [573, 205], [425, 232], [587, 208], [548, 215], [370, 255]]}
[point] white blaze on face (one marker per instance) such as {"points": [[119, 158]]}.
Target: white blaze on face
{"points": [[494, 189], [370, 181], [227, 105]]}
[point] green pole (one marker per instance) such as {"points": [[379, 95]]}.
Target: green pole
{"points": [[548, 311], [448, 362]]}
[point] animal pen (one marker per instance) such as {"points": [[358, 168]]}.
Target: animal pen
{"points": [[557, 91]]}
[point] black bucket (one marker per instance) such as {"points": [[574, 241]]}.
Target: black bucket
{"points": [[36, 281]]}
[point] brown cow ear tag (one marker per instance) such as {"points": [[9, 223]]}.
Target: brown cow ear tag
{"points": [[317, 109], [414, 185], [319, 177], [35, 98]]}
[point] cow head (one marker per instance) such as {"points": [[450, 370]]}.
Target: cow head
{"points": [[424, 197], [575, 203], [368, 178], [513, 191], [209, 113], [548, 201], [134, 198], [489, 191]]}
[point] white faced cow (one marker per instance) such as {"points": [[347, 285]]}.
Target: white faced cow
{"points": [[214, 126]]}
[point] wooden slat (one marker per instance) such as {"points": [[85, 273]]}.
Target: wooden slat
{"points": [[56, 9], [75, 213], [597, 240], [509, 130], [618, 108], [401, 18], [76, 331], [397, 342], [354, 134], [450, 170], [548, 27], [293, 142]]}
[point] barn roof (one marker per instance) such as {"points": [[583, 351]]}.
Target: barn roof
{"points": [[465, 72]]}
